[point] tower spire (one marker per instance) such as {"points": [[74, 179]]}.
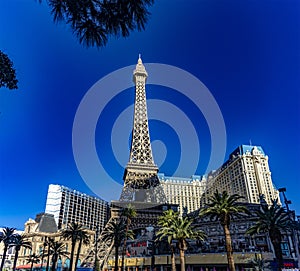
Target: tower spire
{"points": [[141, 182], [139, 71]]}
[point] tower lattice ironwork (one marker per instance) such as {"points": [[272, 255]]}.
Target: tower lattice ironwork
{"points": [[141, 183]]}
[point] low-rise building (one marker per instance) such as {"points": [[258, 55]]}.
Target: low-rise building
{"points": [[38, 232]]}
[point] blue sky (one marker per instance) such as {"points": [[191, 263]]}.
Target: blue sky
{"points": [[246, 53]]}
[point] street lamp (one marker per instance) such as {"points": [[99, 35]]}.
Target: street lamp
{"points": [[295, 238]]}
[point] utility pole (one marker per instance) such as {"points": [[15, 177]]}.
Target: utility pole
{"points": [[294, 236]]}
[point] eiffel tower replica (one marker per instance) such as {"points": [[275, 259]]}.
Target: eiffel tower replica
{"points": [[141, 183], [142, 188]]}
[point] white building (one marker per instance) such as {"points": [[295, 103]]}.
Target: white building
{"points": [[69, 205]]}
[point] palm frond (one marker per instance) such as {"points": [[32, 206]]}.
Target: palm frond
{"points": [[94, 21]]}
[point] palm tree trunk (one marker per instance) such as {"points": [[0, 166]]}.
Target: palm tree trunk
{"points": [[278, 253], [31, 266], [42, 259], [48, 257], [78, 253], [3, 256], [182, 261], [228, 245], [123, 255], [124, 245], [173, 263], [72, 254], [54, 261], [43, 253], [15, 259], [116, 257]]}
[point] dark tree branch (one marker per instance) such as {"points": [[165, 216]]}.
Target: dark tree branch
{"points": [[8, 77]]}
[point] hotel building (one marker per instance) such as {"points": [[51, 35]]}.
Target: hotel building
{"points": [[186, 192], [69, 205], [246, 173]]}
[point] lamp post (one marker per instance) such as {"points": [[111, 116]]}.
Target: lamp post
{"points": [[295, 239]]}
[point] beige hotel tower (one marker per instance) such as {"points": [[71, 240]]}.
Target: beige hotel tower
{"points": [[246, 173]]}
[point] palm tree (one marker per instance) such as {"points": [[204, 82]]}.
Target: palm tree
{"points": [[73, 233], [7, 235], [174, 227], [19, 241], [43, 252], [223, 207], [33, 258], [49, 251], [166, 221], [128, 213], [57, 249], [115, 231], [259, 264], [84, 238], [273, 220]]}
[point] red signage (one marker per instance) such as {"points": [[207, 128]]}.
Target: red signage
{"points": [[289, 265], [139, 244]]}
